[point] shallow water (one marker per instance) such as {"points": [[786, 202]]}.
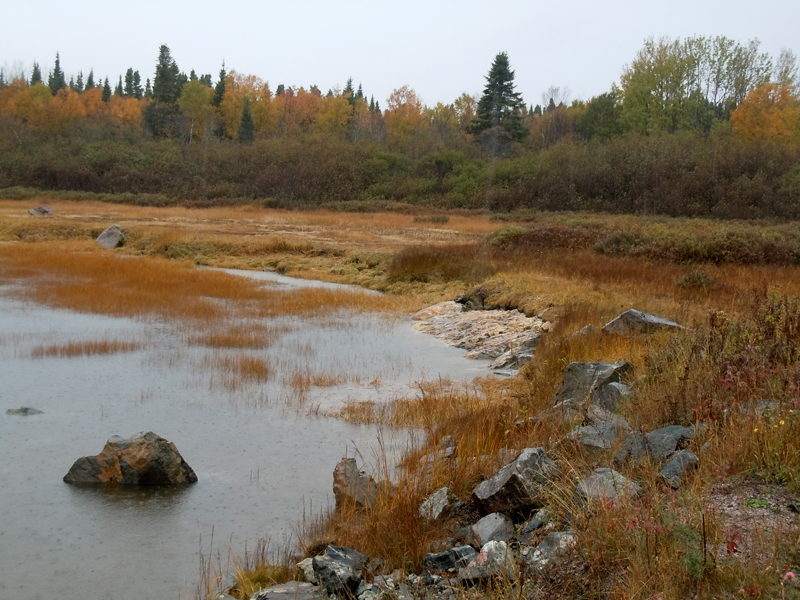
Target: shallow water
{"points": [[259, 453]]}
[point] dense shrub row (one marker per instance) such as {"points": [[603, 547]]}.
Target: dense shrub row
{"points": [[685, 174]]}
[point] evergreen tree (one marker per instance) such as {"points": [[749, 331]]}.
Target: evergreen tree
{"points": [[377, 106], [3, 83], [372, 103], [219, 89], [119, 91], [247, 128], [192, 76], [129, 83], [79, 83], [359, 93], [538, 110], [148, 91], [165, 87], [280, 90], [106, 91], [71, 84], [36, 75], [90, 80], [347, 92], [56, 81], [206, 79], [500, 105], [137, 85]]}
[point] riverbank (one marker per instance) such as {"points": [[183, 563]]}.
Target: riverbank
{"points": [[738, 348]]}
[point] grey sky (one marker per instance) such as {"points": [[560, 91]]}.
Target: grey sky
{"points": [[440, 49]]}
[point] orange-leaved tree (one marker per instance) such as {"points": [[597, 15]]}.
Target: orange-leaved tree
{"points": [[769, 112]]}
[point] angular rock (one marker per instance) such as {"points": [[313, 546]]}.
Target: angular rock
{"points": [[634, 322], [351, 486], [595, 439], [440, 504], [40, 211], [606, 484], [583, 380], [339, 569], [455, 558], [597, 415], [633, 449], [24, 411], [677, 466], [661, 443], [498, 558], [144, 459], [291, 590], [555, 544], [518, 486], [585, 330], [542, 517], [307, 567], [474, 574], [611, 394], [111, 238], [371, 591], [493, 527]]}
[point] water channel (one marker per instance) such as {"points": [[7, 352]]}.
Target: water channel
{"points": [[260, 455]]}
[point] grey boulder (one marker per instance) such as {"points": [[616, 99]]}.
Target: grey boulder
{"points": [[518, 486], [339, 570], [40, 211], [659, 444], [144, 459], [555, 544], [607, 485], [677, 466], [635, 322], [455, 558], [493, 527], [351, 486], [584, 380], [291, 590], [111, 238]]}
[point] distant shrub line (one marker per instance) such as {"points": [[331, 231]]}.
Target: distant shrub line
{"points": [[686, 174]]}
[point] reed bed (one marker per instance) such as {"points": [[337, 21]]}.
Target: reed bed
{"points": [[84, 348]]}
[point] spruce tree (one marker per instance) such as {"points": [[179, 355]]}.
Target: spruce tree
{"points": [[359, 93], [148, 91], [129, 83], [500, 105], [106, 91], [3, 83], [206, 79], [119, 91], [219, 89], [247, 128], [56, 81], [192, 76], [137, 85], [79, 83], [279, 91], [36, 74], [348, 92], [164, 83], [90, 80]]}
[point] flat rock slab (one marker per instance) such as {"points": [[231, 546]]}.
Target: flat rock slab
{"points": [[487, 334], [144, 459], [518, 486], [40, 211], [111, 238], [455, 558], [677, 466], [440, 504], [292, 590], [583, 381], [635, 322], [339, 570], [24, 411], [606, 484]]}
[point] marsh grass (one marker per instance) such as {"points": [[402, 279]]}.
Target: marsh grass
{"points": [[84, 348]]}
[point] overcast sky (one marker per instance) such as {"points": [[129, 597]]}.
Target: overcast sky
{"points": [[440, 49]]}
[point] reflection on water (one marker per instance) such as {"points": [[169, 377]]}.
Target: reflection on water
{"points": [[258, 453]]}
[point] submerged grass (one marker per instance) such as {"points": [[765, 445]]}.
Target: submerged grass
{"points": [[84, 348]]}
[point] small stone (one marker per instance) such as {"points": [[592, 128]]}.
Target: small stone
{"points": [[595, 438], [633, 449], [292, 590], [307, 567], [339, 570], [634, 322], [454, 558], [473, 575], [111, 238], [440, 504], [661, 443], [498, 559], [493, 527], [606, 484], [542, 517], [677, 466], [555, 544]]}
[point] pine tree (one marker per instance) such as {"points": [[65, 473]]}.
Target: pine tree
{"points": [[119, 91], [106, 91], [247, 128], [500, 105], [129, 83], [90, 80], [56, 81], [79, 83], [36, 74], [165, 82], [219, 89], [137, 85]]}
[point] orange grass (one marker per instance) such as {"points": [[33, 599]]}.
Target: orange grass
{"points": [[86, 348]]}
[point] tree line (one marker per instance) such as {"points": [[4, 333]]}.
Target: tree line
{"points": [[494, 151]]}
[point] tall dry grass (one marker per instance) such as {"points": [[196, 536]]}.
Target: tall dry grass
{"points": [[84, 348]]}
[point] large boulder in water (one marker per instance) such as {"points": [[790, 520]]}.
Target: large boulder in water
{"points": [[111, 238], [144, 459]]}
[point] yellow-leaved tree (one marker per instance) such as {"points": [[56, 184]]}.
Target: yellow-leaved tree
{"points": [[768, 113]]}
